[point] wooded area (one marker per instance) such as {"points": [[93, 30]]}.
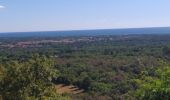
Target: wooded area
{"points": [[116, 67]]}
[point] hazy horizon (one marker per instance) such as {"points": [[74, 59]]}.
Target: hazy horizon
{"points": [[92, 29]]}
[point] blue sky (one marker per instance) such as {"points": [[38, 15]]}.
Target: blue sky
{"points": [[49, 15]]}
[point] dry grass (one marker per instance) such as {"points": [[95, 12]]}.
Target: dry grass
{"points": [[61, 88]]}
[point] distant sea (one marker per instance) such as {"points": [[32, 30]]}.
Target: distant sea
{"points": [[128, 31]]}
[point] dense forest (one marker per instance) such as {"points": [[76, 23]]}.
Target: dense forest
{"points": [[108, 67]]}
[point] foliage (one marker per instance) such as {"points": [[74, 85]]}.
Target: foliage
{"points": [[158, 88], [113, 67], [28, 80]]}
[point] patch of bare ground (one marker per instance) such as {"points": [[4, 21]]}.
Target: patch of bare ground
{"points": [[71, 89]]}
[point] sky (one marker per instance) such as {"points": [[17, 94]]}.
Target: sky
{"points": [[51, 15]]}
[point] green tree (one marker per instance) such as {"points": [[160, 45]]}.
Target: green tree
{"points": [[101, 87], [29, 80], [156, 88]]}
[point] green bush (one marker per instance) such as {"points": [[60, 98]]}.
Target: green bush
{"points": [[29, 80]]}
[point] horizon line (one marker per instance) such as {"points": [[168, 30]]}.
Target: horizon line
{"points": [[93, 29]]}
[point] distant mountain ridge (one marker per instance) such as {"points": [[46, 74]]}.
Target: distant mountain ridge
{"points": [[127, 31]]}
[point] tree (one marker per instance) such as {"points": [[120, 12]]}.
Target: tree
{"points": [[166, 52], [101, 87], [29, 80], [157, 88]]}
